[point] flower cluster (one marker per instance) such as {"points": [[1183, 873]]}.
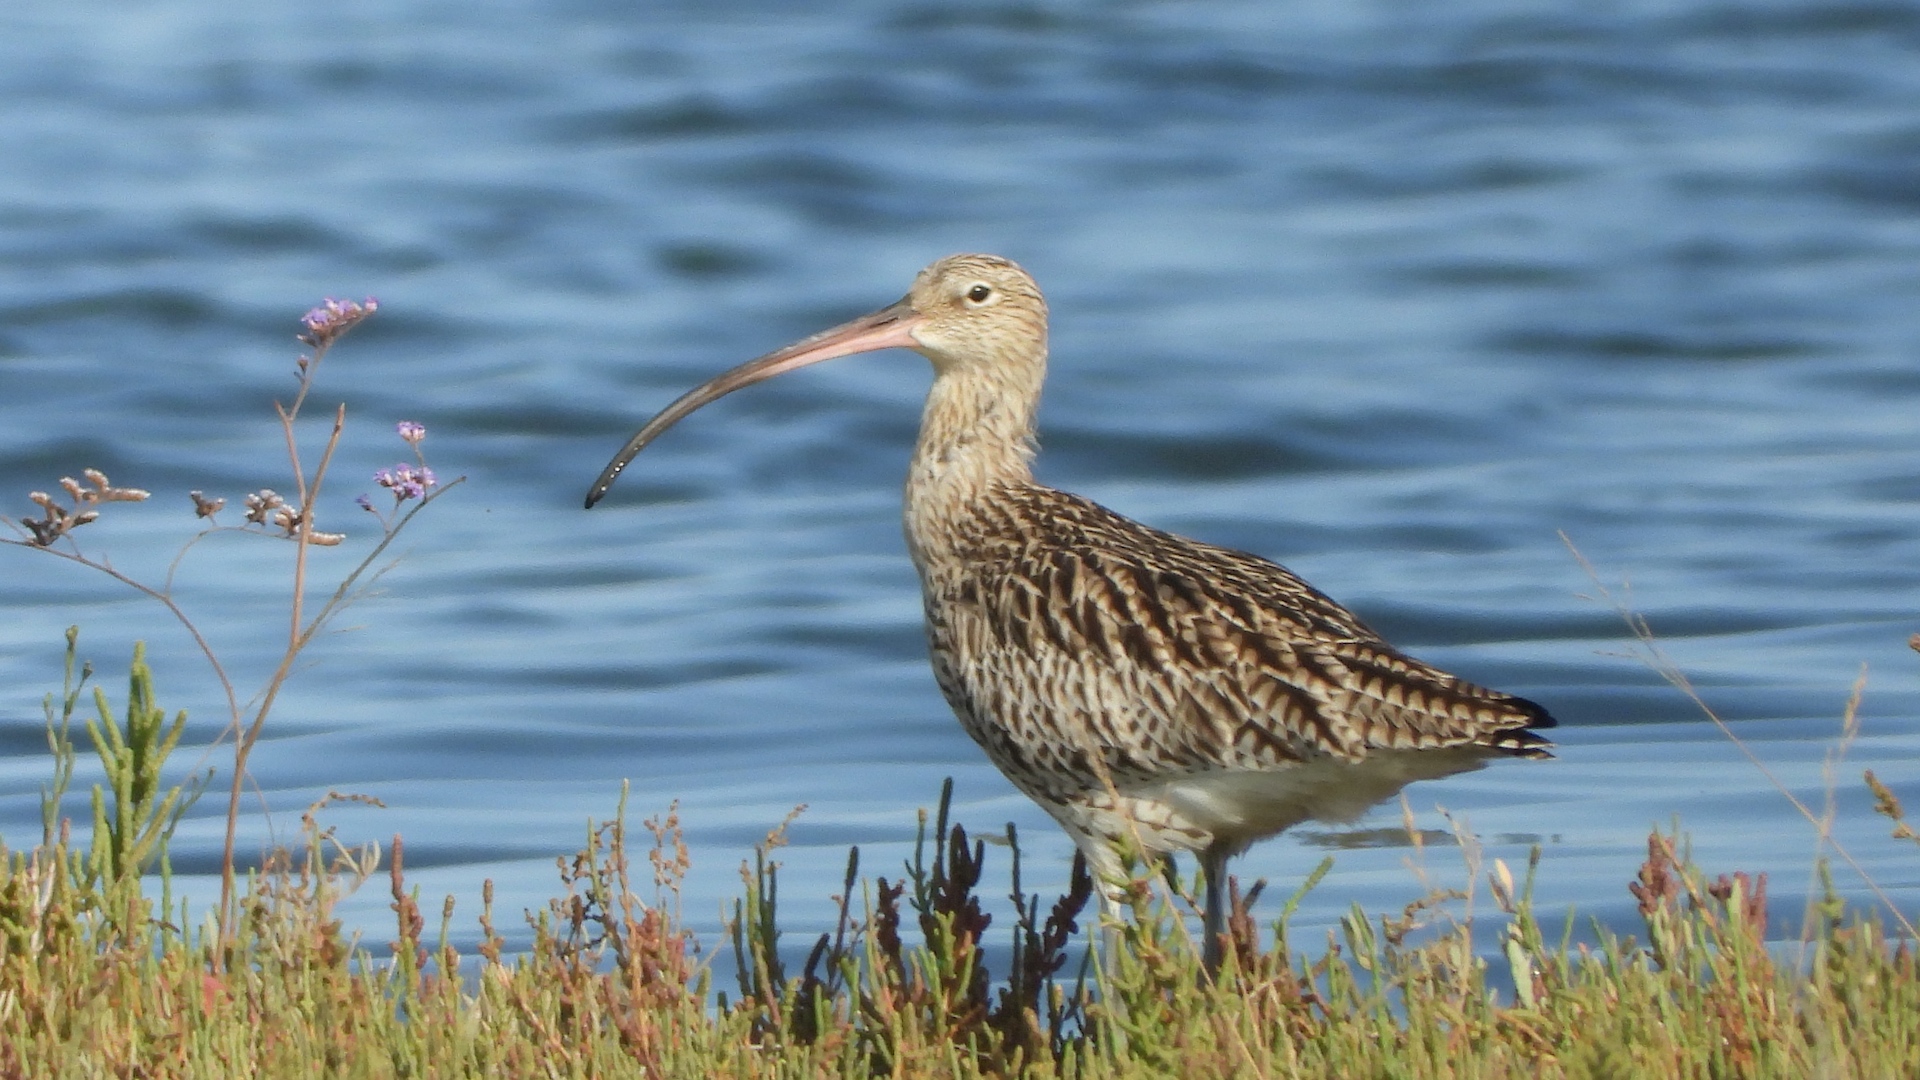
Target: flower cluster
{"points": [[61, 520], [333, 318], [205, 507], [262, 503], [406, 481], [266, 507]]}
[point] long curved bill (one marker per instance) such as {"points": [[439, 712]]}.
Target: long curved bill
{"points": [[889, 328]]}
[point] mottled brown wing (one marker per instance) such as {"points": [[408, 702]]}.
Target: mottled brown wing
{"points": [[1172, 654]]}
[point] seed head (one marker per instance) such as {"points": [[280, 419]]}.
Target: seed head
{"points": [[262, 503]]}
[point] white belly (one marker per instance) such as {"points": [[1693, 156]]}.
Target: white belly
{"points": [[1238, 808]]}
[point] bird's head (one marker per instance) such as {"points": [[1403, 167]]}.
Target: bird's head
{"points": [[977, 311], [977, 315]]}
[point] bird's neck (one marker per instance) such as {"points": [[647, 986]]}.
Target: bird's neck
{"points": [[976, 438]]}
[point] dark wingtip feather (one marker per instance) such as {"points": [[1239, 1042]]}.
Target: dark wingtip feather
{"points": [[1521, 741], [1537, 715]]}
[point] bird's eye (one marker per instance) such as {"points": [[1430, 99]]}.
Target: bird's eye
{"points": [[979, 293]]}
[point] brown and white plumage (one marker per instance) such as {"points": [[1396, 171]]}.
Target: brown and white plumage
{"points": [[1134, 683]]}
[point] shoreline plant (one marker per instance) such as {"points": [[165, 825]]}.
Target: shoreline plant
{"points": [[270, 515], [95, 979]]}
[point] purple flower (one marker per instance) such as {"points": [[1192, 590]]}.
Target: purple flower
{"points": [[406, 481], [333, 318], [411, 431], [366, 504]]}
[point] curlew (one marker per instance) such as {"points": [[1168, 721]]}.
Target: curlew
{"points": [[1142, 687]]}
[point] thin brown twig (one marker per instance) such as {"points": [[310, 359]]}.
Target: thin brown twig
{"points": [[303, 539], [165, 599], [1656, 658]]}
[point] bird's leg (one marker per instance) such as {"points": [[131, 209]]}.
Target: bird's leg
{"points": [[1113, 913], [1213, 862], [1110, 883]]}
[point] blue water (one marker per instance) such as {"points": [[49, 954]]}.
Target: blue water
{"points": [[1394, 293]]}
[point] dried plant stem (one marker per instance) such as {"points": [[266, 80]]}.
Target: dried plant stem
{"points": [[296, 638], [307, 495], [300, 635], [166, 600], [324, 326], [1657, 659]]}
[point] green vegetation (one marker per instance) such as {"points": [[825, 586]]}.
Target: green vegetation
{"points": [[97, 978]]}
